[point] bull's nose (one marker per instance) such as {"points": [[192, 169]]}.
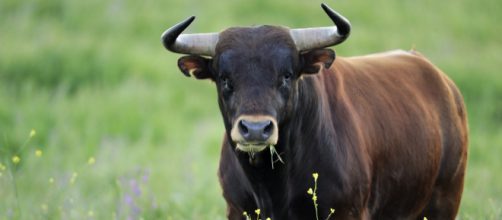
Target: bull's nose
{"points": [[256, 131]]}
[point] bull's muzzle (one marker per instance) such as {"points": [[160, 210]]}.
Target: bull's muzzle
{"points": [[254, 133]]}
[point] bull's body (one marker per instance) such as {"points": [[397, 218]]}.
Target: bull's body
{"points": [[386, 133]]}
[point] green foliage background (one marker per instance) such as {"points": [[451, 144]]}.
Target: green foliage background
{"points": [[92, 78]]}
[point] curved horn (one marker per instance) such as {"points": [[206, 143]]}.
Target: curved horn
{"points": [[319, 37], [200, 44]]}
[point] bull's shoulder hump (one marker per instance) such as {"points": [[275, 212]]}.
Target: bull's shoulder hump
{"points": [[391, 58], [390, 53]]}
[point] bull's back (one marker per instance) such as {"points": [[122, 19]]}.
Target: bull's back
{"points": [[410, 122]]}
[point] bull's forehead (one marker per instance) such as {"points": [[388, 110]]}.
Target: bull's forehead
{"points": [[256, 50], [252, 39]]}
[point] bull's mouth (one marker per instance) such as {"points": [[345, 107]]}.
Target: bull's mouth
{"points": [[251, 148]]}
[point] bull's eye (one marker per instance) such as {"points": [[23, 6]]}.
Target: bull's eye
{"points": [[288, 75], [286, 78], [225, 84]]}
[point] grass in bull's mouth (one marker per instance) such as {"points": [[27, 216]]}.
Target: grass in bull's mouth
{"points": [[272, 152]]}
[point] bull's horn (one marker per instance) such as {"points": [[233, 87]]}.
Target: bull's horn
{"points": [[319, 37], [200, 44]]}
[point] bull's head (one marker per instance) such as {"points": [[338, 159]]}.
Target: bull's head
{"points": [[256, 71]]}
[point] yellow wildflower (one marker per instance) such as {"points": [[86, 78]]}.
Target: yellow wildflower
{"points": [[38, 153], [314, 198], [332, 210], [257, 211], [310, 191], [32, 133], [315, 175], [268, 219], [16, 159], [91, 161]]}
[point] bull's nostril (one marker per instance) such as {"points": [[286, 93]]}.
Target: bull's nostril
{"points": [[243, 128], [268, 128]]}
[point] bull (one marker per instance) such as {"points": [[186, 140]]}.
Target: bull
{"points": [[386, 132]]}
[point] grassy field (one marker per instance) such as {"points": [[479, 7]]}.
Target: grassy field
{"points": [[120, 133]]}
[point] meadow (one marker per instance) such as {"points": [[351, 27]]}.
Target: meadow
{"points": [[96, 121]]}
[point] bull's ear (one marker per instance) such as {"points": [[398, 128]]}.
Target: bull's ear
{"points": [[194, 65], [313, 60]]}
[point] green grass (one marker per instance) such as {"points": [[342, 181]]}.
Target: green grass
{"points": [[93, 80]]}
